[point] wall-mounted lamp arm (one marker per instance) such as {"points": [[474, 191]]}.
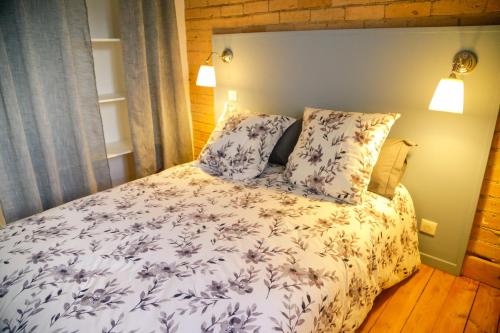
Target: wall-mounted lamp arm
{"points": [[207, 61], [206, 73], [449, 94], [226, 56]]}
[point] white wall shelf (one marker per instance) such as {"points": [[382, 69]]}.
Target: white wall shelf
{"points": [[119, 148], [105, 40], [104, 24], [109, 70], [108, 98]]}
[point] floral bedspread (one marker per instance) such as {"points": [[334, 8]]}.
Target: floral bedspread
{"points": [[186, 251]]}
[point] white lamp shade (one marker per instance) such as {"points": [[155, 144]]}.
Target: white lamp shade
{"points": [[206, 76], [449, 96]]}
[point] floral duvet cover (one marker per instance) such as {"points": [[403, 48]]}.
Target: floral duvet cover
{"points": [[186, 251]]}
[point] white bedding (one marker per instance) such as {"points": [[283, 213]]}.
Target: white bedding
{"points": [[185, 251]]}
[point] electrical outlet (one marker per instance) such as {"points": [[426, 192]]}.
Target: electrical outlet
{"points": [[428, 227]]}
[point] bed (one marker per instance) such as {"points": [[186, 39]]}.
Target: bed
{"points": [[187, 251]]}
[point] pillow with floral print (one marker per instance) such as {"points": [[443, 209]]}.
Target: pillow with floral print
{"points": [[337, 151], [240, 145]]}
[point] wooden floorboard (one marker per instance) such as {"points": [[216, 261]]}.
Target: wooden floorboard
{"points": [[377, 309], [485, 310], [434, 301], [455, 310], [401, 304], [426, 311]]}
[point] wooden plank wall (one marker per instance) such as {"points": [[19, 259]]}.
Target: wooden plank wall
{"points": [[206, 17], [482, 261]]}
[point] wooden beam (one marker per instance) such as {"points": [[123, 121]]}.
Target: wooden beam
{"points": [[484, 250], [487, 219], [485, 234], [482, 270]]}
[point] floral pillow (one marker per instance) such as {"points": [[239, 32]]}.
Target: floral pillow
{"points": [[241, 144], [337, 151]]}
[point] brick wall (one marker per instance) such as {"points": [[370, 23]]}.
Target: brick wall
{"points": [[482, 261], [206, 17]]}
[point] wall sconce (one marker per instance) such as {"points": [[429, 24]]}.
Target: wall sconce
{"points": [[449, 94], [206, 73]]}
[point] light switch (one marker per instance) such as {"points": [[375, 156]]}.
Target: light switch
{"points": [[428, 227], [232, 95]]}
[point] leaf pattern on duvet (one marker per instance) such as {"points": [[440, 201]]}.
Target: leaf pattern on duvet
{"points": [[187, 251]]}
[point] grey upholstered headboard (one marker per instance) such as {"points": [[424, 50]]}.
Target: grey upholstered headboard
{"points": [[385, 70]]}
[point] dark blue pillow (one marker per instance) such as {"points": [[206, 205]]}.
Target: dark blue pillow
{"points": [[286, 143]]}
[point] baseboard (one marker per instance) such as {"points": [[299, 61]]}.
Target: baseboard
{"points": [[440, 264]]}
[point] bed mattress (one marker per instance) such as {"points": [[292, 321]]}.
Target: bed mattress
{"points": [[186, 251]]}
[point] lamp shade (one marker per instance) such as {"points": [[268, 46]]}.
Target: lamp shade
{"points": [[449, 96], [206, 76]]}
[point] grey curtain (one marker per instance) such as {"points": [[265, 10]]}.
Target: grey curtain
{"points": [[2, 219], [51, 138], [159, 117]]}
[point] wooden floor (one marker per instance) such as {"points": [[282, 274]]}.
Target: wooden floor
{"points": [[434, 301]]}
